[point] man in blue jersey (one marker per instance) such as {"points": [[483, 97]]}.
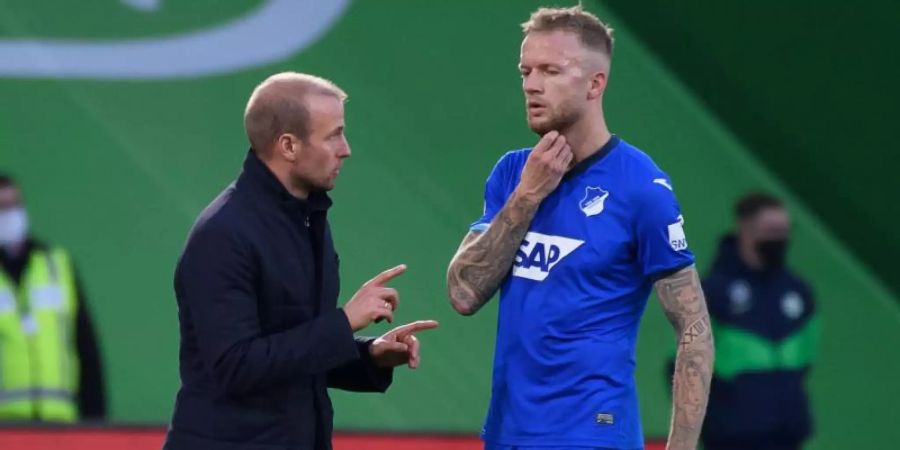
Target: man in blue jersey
{"points": [[575, 234]]}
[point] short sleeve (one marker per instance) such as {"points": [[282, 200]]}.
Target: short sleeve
{"points": [[496, 191], [661, 240]]}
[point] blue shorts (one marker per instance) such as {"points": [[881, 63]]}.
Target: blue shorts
{"points": [[488, 446]]}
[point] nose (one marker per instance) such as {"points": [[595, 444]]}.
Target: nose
{"points": [[532, 84], [344, 151]]}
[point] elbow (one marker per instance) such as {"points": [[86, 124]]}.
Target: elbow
{"points": [[462, 307], [229, 376], [461, 299], [466, 297]]}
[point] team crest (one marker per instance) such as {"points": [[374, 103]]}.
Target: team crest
{"points": [[792, 305], [594, 201]]}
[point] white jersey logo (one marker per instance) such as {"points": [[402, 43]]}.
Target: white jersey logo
{"points": [[792, 305], [664, 183], [540, 253], [677, 239], [594, 201]]}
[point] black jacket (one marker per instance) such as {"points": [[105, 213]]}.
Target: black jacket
{"points": [[261, 335], [767, 307]]}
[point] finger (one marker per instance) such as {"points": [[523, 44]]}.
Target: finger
{"points": [[385, 306], [384, 314], [389, 295], [396, 346], [413, 344], [415, 327], [567, 162], [546, 142], [558, 147], [564, 153], [382, 278]]}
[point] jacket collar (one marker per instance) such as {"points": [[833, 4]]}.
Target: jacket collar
{"points": [[257, 177], [728, 260]]}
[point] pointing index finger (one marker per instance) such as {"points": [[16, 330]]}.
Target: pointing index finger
{"points": [[415, 327], [384, 277]]}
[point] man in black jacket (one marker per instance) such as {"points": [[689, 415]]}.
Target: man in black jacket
{"points": [[766, 330], [257, 286]]}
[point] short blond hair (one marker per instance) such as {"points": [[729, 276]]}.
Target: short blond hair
{"points": [[278, 105], [591, 31]]}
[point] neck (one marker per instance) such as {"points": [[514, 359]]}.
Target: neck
{"points": [[14, 251], [283, 174], [295, 191], [587, 135]]}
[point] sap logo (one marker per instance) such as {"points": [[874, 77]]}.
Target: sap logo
{"points": [[593, 201], [539, 253]]}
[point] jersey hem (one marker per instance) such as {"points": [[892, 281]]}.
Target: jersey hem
{"points": [[662, 273], [540, 442]]}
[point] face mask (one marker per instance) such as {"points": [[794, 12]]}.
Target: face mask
{"points": [[772, 253], [13, 226]]}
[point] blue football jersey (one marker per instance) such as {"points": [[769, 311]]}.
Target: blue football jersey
{"points": [[570, 307]]}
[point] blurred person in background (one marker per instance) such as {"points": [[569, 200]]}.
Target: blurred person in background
{"points": [[49, 361], [765, 327]]}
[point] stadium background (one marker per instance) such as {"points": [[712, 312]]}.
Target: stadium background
{"points": [[794, 99]]}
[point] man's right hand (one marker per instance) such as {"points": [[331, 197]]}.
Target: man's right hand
{"points": [[546, 165], [374, 301]]}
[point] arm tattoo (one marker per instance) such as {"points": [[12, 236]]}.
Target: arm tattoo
{"points": [[483, 260], [682, 300]]}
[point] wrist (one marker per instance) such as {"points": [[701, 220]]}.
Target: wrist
{"points": [[353, 326], [527, 198]]}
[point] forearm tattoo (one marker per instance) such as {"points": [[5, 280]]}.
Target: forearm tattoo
{"points": [[483, 260], [682, 300]]}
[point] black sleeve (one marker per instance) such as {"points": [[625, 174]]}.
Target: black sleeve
{"points": [[92, 389], [361, 375], [215, 284]]}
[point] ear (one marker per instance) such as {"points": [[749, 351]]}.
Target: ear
{"points": [[597, 85], [289, 147]]}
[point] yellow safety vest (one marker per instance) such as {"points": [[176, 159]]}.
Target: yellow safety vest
{"points": [[38, 357]]}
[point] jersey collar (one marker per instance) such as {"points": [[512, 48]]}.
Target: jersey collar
{"points": [[594, 158]]}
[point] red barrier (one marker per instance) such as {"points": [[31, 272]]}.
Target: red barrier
{"points": [[151, 438]]}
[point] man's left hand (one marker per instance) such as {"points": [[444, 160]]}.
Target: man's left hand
{"points": [[400, 346]]}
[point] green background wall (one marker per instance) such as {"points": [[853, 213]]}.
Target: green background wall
{"points": [[810, 88], [117, 171]]}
